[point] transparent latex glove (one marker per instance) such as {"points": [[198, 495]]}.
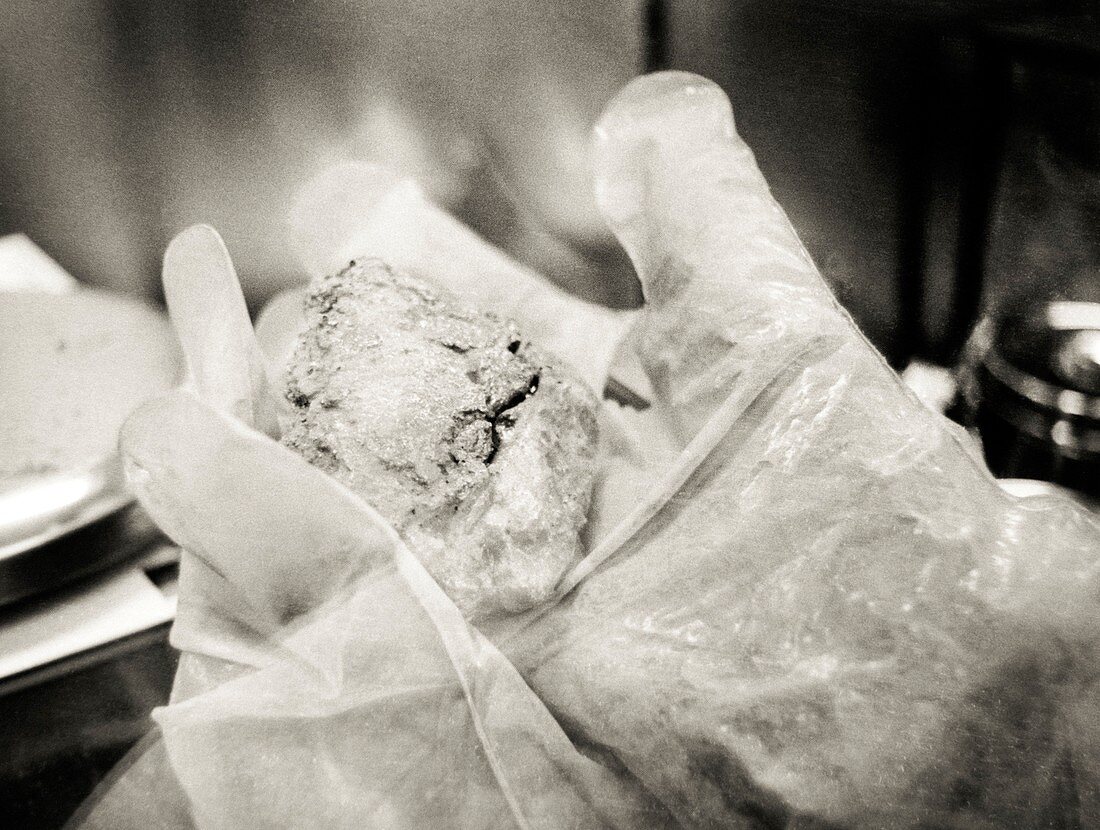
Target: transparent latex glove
{"points": [[325, 679], [805, 601], [825, 608]]}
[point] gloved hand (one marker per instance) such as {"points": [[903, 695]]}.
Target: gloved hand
{"points": [[805, 600]]}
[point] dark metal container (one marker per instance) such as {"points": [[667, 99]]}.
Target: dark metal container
{"points": [[1031, 383]]}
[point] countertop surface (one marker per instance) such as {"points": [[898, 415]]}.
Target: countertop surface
{"points": [[66, 726]]}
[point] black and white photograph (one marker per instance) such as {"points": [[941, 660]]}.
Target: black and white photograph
{"points": [[500, 415]]}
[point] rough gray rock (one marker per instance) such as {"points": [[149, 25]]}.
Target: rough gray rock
{"points": [[468, 439]]}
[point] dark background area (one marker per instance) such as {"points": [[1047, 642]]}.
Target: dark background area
{"points": [[65, 727], [901, 139]]}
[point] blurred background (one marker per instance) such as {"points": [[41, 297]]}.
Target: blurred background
{"points": [[935, 156]]}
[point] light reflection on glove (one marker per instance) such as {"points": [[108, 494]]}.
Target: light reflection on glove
{"points": [[805, 600]]}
